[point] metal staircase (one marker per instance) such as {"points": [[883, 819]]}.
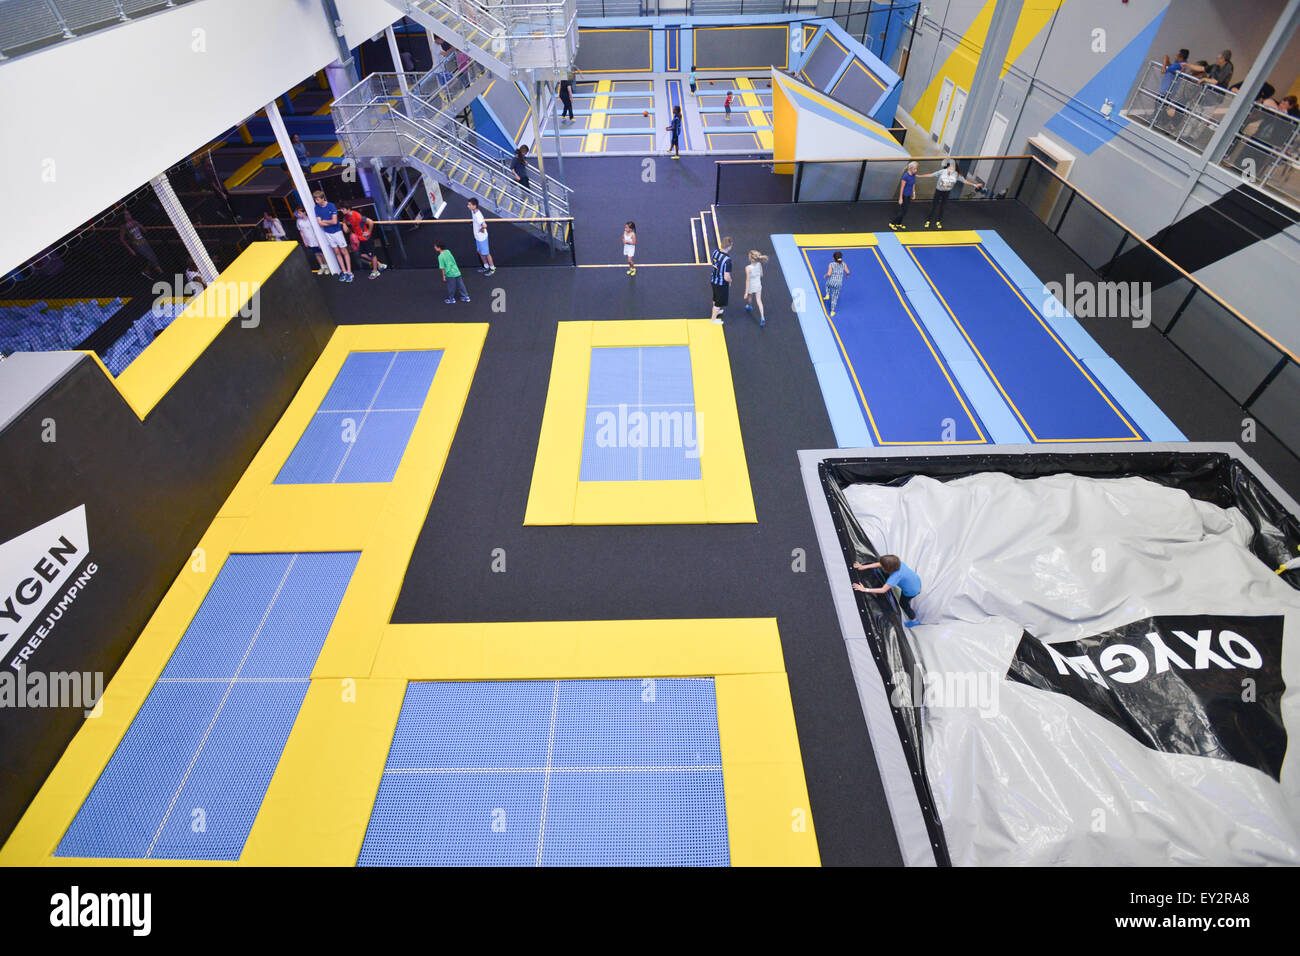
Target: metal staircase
{"points": [[510, 39], [377, 120]]}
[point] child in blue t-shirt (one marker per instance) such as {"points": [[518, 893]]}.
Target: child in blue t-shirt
{"points": [[899, 575]]}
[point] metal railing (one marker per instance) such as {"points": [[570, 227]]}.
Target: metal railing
{"points": [[30, 25], [1248, 363], [701, 8], [1180, 106], [518, 36], [1265, 151], [743, 181]]}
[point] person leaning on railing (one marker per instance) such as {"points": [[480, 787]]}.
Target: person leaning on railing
{"points": [[1172, 68], [1220, 71]]}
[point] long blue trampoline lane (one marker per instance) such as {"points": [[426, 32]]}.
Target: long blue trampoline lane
{"points": [[1048, 388], [553, 773], [361, 428], [904, 386], [640, 418], [190, 773]]}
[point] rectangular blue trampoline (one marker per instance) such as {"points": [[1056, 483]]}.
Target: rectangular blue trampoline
{"points": [[640, 418], [361, 428], [553, 773], [190, 773]]}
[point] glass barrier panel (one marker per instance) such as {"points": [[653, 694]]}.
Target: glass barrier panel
{"points": [[1230, 353], [1092, 235], [1276, 406]]}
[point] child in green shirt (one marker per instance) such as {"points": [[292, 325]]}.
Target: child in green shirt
{"points": [[451, 273]]}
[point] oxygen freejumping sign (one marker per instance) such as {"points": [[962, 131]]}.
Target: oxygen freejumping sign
{"points": [[42, 572]]}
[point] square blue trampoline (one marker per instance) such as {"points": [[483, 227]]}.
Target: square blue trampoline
{"points": [[552, 773], [190, 773], [640, 417], [361, 428]]}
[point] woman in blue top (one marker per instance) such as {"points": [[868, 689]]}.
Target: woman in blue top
{"points": [[900, 576], [906, 187], [520, 166]]}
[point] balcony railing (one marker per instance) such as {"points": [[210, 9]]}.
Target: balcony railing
{"points": [[30, 25], [1265, 151]]}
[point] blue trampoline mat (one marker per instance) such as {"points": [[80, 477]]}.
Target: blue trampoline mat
{"points": [[361, 427], [640, 416], [902, 383], [1055, 398], [191, 771], [558, 773]]}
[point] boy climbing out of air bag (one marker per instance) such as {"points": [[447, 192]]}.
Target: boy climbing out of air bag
{"points": [[898, 575]]}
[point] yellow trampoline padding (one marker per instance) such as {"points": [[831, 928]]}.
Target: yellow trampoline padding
{"points": [[579, 649], [941, 237], [559, 452], [834, 240], [318, 802], [769, 821]]}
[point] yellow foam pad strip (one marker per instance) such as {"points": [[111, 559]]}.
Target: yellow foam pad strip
{"points": [[945, 238]]}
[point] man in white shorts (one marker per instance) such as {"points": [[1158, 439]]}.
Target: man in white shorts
{"points": [[327, 214], [481, 239]]}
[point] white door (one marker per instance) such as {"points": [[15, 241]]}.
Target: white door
{"points": [[954, 119], [941, 109], [992, 143]]}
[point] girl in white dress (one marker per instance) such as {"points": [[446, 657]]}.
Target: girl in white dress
{"points": [[629, 245], [754, 283]]}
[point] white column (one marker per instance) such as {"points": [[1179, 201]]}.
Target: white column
{"points": [[300, 182], [162, 188], [397, 68], [541, 162]]}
